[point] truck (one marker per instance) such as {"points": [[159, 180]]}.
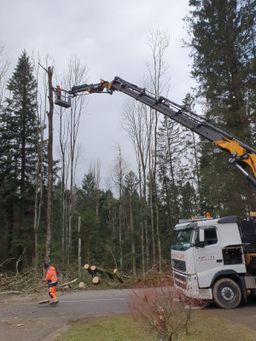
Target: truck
{"points": [[212, 259], [215, 259]]}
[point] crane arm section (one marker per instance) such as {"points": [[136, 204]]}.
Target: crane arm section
{"points": [[242, 155]]}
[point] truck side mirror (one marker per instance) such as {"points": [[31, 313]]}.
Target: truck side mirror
{"points": [[199, 242], [201, 238]]}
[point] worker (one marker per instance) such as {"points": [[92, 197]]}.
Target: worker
{"points": [[58, 92], [252, 215], [52, 280], [207, 215]]}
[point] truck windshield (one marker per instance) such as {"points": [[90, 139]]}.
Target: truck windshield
{"points": [[182, 239]]}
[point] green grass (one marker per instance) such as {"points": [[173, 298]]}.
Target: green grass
{"points": [[118, 328], [205, 327], [123, 328]]}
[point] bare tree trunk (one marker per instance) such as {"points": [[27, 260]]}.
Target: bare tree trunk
{"points": [[158, 43], [142, 246], [156, 195], [79, 245], [75, 75], [3, 71], [63, 140], [158, 239], [120, 237], [119, 171], [66, 232], [133, 250], [152, 220], [63, 220], [136, 124], [38, 193], [69, 241], [50, 168], [40, 168]]}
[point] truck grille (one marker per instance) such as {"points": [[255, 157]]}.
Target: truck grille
{"points": [[180, 281], [179, 265]]}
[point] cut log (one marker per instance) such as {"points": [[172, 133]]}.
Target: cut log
{"points": [[102, 271], [87, 267], [118, 276], [93, 267], [95, 280], [97, 272], [81, 285]]}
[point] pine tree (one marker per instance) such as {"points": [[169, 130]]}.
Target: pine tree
{"points": [[130, 199], [188, 202], [221, 53], [18, 153], [169, 156]]}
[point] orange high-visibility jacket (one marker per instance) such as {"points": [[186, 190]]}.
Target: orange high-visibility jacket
{"points": [[51, 276]]}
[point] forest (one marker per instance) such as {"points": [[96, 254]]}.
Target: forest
{"points": [[46, 213]]}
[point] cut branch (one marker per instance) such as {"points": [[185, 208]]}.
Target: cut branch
{"points": [[7, 260], [11, 292], [69, 283]]}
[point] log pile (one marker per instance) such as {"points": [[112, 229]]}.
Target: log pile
{"points": [[98, 273]]}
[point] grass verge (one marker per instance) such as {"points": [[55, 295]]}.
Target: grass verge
{"points": [[124, 328], [117, 328]]}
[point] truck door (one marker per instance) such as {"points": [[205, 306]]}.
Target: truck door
{"points": [[208, 258]]}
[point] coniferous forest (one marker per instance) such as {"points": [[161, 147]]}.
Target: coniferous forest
{"points": [[177, 174]]}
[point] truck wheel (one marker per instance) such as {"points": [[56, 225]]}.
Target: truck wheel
{"points": [[227, 293]]}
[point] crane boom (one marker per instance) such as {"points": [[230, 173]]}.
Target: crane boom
{"points": [[241, 155]]}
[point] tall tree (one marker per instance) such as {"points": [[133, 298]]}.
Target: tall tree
{"points": [[118, 178], [131, 184], [69, 129], [139, 129], [170, 148], [221, 53], [158, 44], [50, 167], [18, 154]]}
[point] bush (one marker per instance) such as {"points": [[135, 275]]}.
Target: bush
{"points": [[163, 311]]}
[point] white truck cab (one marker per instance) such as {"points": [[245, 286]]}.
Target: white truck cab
{"points": [[215, 259]]}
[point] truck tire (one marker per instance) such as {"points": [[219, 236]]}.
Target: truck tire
{"points": [[227, 293]]}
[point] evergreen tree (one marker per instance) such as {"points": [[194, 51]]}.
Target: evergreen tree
{"points": [[87, 206], [169, 156], [187, 200], [131, 203], [221, 53], [18, 154], [94, 207]]}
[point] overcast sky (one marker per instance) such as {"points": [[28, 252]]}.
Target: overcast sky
{"points": [[111, 38]]}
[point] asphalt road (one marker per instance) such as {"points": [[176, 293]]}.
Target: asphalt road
{"points": [[72, 306], [30, 321]]}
